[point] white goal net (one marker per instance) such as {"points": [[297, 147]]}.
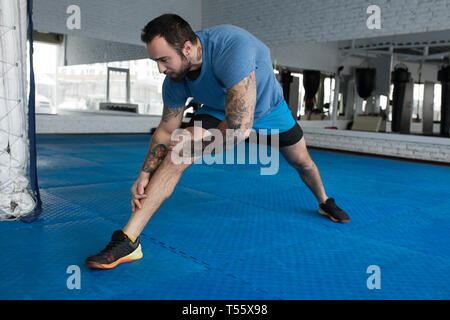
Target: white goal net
{"points": [[16, 199]]}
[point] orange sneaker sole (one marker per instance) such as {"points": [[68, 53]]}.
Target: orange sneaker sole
{"points": [[332, 218], [135, 255]]}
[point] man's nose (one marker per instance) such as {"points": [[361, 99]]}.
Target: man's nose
{"points": [[161, 68]]}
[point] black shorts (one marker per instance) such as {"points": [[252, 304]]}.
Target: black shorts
{"points": [[287, 138]]}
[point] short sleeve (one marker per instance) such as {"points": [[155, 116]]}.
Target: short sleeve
{"points": [[235, 61], [174, 93]]}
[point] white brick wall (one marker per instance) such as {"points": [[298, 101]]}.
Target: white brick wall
{"points": [[79, 123], [290, 21], [396, 145]]}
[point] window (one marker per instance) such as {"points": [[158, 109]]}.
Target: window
{"points": [[328, 94], [383, 102], [301, 94], [437, 102], [83, 87], [328, 86], [44, 65], [85, 92], [417, 100]]}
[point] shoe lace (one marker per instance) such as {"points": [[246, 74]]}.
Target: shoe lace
{"points": [[111, 246]]}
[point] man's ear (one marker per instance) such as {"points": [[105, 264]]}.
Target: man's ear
{"points": [[187, 48]]}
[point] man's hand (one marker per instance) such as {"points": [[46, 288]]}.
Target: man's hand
{"points": [[137, 190]]}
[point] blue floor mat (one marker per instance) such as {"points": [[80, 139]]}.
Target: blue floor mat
{"points": [[228, 232]]}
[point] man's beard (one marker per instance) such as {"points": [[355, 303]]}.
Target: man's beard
{"points": [[179, 76]]}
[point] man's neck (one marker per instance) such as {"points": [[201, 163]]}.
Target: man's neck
{"points": [[193, 75], [197, 60]]}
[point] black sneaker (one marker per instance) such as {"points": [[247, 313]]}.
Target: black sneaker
{"points": [[120, 249], [332, 211]]}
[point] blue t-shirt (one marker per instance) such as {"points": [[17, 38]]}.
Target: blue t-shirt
{"points": [[229, 55]]}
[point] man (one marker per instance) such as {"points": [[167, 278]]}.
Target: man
{"points": [[230, 72]]}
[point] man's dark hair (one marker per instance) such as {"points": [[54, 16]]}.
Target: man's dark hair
{"points": [[171, 27]]}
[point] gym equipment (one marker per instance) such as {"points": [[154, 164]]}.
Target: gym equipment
{"points": [[400, 77], [365, 81], [285, 79], [444, 78], [311, 83]]}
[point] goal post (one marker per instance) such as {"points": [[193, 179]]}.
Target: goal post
{"points": [[19, 191]]}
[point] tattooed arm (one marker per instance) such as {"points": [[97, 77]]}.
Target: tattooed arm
{"points": [[157, 151], [239, 112], [156, 154], [171, 120], [240, 106]]}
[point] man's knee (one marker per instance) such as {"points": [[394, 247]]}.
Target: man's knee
{"points": [[176, 162], [303, 162]]}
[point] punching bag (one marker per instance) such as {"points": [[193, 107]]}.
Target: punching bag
{"points": [[285, 80], [311, 83], [400, 77], [444, 78], [365, 81]]}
